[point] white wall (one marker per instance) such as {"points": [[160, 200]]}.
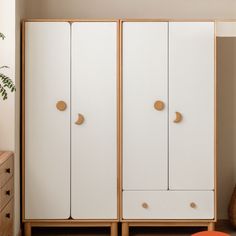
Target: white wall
{"points": [[7, 57], [7, 107]]}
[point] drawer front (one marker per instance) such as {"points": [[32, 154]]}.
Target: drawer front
{"points": [[6, 193], [6, 171], [8, 231], [6, 219], [168, 204]]}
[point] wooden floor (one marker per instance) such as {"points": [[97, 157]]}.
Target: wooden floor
{"points": [[180, 231]]}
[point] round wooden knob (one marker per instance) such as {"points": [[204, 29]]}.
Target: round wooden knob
{"points": [[145, 205], [61, 105], [178, 117], [193, 205], [80, 119], [159, 105]]}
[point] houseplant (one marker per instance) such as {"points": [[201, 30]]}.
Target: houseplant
{"points": [[6, 84]]}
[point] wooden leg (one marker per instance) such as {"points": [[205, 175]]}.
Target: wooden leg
{"points": [[114, 229], [27, 229], [125, 229], [211, 227]]}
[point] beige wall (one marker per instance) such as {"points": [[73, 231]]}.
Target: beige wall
{"points": [[209, 9], [226, 75], [132, 8]]}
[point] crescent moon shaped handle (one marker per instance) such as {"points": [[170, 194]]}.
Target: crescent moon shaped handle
{"points": [[178, 117], [80, 119]]}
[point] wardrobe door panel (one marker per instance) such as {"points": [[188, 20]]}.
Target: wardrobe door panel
{"points": [[47, 129], [191, 93], [145, 59], [94, 120]]}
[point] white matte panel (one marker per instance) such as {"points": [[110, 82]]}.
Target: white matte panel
{"points": [[145, 51], [47, 130], [191, 92], [94, 149], [168, 205]]}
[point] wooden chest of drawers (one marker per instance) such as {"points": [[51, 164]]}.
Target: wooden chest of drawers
{"points": [[6, 193]]}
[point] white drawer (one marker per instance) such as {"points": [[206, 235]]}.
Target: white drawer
{"points": [[168, 204]]}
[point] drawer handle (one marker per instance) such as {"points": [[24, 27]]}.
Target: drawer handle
{"points": [[8, 215], [8, 170], [178, 117], [159, 105], [80, 119], [193, 205], [61, 106], [8, 192], [145, 205]]}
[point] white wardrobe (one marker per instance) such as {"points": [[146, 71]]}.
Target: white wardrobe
{"points": [[168, 120], [118, 123], [70, 162]]}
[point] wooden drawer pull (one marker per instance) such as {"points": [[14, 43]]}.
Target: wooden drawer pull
{"points": [[193, 205], [145, 205], [159, 105], [61, 106], [8, 215], [8, 170], [8, 192]]}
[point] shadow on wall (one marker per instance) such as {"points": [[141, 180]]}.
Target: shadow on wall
{"points": [[226, 78]]}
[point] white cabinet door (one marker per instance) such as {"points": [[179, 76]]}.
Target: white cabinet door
{"points": [[47, 130], [191, 92], [94, 142], [145, 129]]}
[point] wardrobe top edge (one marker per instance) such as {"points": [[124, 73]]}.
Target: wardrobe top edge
{"points": [[128, 20]]}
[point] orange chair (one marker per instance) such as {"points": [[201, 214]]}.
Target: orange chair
{"points": [[210, 233]]}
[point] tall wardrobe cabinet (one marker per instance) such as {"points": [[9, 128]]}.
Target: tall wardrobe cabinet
{"points": [[168, 74], [70, 122]]}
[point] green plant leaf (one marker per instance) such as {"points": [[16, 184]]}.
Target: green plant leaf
{"points": [[6, 84], [2, 36], [1, 67]]}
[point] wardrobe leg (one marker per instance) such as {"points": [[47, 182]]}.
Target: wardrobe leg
{"points": [[114, 229], [125, 229], [27, 228], [211, 226]]}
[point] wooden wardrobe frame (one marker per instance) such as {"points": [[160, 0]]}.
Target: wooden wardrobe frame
{"points": [[113, 224]]}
